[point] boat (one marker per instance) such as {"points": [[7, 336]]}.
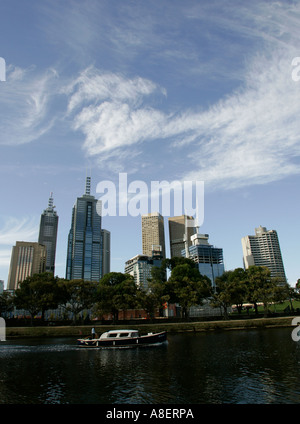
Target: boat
{"points": [[123, 338]]}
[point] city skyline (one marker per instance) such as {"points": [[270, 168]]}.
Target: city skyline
{"points": [[209, 258], [181, 91]]}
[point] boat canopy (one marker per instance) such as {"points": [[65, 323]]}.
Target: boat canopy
{"points": [[119, 334]]}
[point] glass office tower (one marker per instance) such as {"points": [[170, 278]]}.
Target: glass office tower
{"points": [[209, 259], [85, 250], [48, 234]]}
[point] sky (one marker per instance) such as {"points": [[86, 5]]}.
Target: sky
{"points": [[160, 91]]}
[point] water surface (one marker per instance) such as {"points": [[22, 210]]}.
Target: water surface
{"points": [[254, 366]]}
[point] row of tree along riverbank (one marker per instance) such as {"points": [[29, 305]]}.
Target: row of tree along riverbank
{"points": [[178, 327], [117, 292]]}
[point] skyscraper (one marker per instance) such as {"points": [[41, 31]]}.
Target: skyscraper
{"points": [[85, 241], [153, 233], [48, 234], [263, 249], [140, 267], [177, 230], [27, 259], [105, 251], [209, 259]]}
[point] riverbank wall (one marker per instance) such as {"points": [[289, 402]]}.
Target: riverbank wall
{"points": [[178, 327]]}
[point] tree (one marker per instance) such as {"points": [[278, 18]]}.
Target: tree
{"points": [[238, 288], [116, 291], [37, 293], [154, 297], [187, 286], [260, 286], [6, 303], [77, 295], [223, 295], [175, 261]]}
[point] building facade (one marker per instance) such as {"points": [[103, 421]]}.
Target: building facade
{"points": [[153, 233], [263, 249], [48, 234], [178, 230], [209, 259], [27, 259], [105, 251], [140, 267], [85, 240]]}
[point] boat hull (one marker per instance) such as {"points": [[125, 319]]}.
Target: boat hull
{"points": [[149, 339]]}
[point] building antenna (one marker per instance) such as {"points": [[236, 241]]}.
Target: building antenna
{"points": [[50, 201], [88, 183]]}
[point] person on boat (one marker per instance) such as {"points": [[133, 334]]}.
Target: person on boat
{"points": [[93, 333]]}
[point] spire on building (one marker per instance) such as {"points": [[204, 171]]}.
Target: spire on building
{"points": [[88, 186]]}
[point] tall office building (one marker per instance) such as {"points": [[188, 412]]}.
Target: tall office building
{"points": [[27, 259], [48, 234], [177, 232], [153, 233], [263, 249], [85, 241], [105, 251], [209, 259], [140, 267]]}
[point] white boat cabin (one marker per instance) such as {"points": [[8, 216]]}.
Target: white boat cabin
{"points": [[118, 334]]}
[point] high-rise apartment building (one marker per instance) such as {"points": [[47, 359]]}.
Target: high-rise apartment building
{"points": [[209, 259], [85, 241], [263, 249], [178, 230], [48, 234], [27, 259], [153, 233]]}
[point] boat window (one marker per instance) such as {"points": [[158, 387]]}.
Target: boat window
{"points": [[123, 335], [112, 335], [134, 334]]}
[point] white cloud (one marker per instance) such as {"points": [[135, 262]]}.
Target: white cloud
{"points": [[18, 229], [108, 109], [5, 256], [251, 136], [25, 104]]}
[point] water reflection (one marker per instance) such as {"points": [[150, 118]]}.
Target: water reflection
{"points": [[230, 367]]}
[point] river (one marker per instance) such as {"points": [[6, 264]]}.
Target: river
{"points": [[230, 367]]}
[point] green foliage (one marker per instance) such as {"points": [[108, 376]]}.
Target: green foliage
{"points": [[187, 286], [76, 295], [116, 291], [230, 289], [260, 286], [37, 294], [6, 302]]}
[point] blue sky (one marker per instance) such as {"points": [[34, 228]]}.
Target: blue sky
{"points": [[169, 90]]}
